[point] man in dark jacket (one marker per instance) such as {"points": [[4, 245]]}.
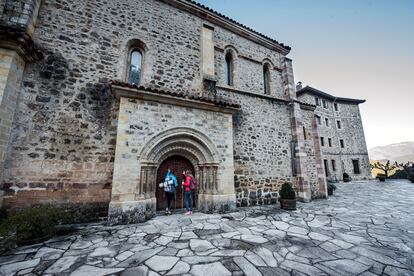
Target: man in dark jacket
{"points": [[170, 184]]}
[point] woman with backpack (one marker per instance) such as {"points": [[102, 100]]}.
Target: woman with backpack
{"points": [[169, 184], [190, 185]]}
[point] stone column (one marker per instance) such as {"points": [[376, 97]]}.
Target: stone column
{"points": [[301, 180], [17, 19], [132, 177], [150, 184]]}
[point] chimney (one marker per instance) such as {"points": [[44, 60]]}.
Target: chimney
{"points": [[299, 86]]}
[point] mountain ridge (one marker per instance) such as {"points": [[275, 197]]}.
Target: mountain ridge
{"points": [[400, 152]]}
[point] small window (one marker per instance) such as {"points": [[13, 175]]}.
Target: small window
{"points": [[341, 141], [330, 142], [135, 67], [355, 164], [336, 106], [338, 124], [266, 79], [318, 118], [325, 163], [325, 104], [229, 69], [322, 142], [333, 165], [317, 102], [327, 122], [304, 133]]}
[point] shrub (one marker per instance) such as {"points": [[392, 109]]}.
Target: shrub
{"points": [[30, 225], [412, 178], [345, 177], [381, 177], [287, 192], [331, 186]]}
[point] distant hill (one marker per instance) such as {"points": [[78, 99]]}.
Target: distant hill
{"points": [[400, 152]]}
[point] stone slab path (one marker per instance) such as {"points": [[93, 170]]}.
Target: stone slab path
{"points": [[366, 228]]}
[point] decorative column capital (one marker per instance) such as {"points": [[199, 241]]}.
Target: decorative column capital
{"points": [[18, 40]]}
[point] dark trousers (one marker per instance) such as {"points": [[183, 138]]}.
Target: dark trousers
{"points": [[170, 198], [189, 201]]}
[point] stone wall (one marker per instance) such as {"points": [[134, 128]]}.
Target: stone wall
{"points": [[313, 161], [248, 61], [63, 138], [262, 153], [149, 132], [351, 132], [11, 72]]}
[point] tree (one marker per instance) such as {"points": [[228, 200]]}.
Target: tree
{"points": [[407, 168], [386, 168]]}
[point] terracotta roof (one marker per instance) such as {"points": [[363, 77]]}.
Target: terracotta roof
{"points": [[218, 101], [319, 93], [305, 104], [288, 48]]}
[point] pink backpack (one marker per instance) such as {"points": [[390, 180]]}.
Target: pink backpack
{"points": [[193, 184]]}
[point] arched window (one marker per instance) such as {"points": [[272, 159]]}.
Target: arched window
{"points": [[266, 79], [135, 67], [229, 68]]}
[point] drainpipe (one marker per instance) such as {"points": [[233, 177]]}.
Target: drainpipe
{"points": [[337, 135]]}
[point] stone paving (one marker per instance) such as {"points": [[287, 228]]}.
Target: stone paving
{"points": [[366, 228]]}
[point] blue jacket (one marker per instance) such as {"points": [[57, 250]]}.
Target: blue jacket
{"points": [[170, 176]]}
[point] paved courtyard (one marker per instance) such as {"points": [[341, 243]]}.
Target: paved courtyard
{"points": [[366, 228]]}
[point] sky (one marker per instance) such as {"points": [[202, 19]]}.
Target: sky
{"points": [[349, 48]]}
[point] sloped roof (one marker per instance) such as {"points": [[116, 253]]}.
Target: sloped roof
{"points": [[319, 93]]}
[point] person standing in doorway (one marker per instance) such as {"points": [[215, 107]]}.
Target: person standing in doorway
{"points": [[169, 184], [190, 185]]}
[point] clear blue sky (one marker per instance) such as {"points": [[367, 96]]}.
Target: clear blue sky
{"points": [[349, 48]]}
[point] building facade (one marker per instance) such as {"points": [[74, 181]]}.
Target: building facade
{"points": [[100, 98], [341, 134]]}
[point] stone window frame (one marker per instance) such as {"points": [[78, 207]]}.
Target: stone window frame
{"points": [[267, 76], [333, 164], [326, 121], [342, 143], [338, 124], [232, 51], [322, 141], [319, 119], [325, 103], [330, 142], [336, 107], [135, 45], [317, 101], [356, 169]]}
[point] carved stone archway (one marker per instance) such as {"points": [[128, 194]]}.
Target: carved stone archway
{"points": [[186, 142]]}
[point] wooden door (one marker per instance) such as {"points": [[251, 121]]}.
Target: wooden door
{"points": [[178, 164]]}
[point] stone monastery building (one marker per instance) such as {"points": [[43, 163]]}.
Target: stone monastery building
{"points": [[99, 98]]}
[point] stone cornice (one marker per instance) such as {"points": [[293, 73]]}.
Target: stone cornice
{"points": [[19, 41], [229, 24], [252, 94], [141, 94]]}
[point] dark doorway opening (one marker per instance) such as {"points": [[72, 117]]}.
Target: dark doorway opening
{"points": [[325, 163], [178, 164], [355, 164]]}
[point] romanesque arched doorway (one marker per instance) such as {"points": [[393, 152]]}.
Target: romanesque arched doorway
{"points": [[178, 164]]}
